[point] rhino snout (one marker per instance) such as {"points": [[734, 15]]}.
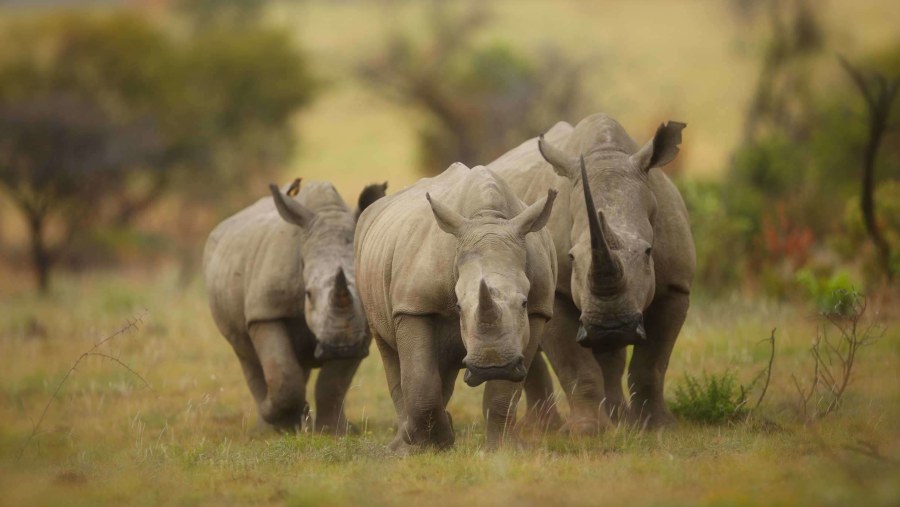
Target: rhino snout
{"points": [[612, 335], [513, 371], [327, 351]]}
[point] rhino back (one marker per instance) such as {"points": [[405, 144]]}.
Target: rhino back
{"points": [[529, 176], [404, 262], [253, 268]]}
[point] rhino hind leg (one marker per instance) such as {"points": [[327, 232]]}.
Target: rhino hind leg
{"points": [[332, 385], [424, 422], [647, 371], [579, 374], [253, 372], [284, 405], [391, 361], [541, 414], [613, 366]]}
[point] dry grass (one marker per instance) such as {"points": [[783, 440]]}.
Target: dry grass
{"points": [[192, 439]]}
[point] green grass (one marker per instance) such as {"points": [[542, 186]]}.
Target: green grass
{"points": [[193, 438]]}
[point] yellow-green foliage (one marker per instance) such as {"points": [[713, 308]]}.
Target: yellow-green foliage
{"points": [[710, 398], [192, 438]]}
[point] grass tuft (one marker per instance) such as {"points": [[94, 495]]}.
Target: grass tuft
{"points": [[710, 399]]}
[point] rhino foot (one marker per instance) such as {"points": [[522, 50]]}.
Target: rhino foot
{"points": [[337, 428], [583, 427], [410, 441], [655, 418]]}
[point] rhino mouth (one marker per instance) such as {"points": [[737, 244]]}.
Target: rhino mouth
{"points": [[609, 338], [327, 351], [514, 372]]}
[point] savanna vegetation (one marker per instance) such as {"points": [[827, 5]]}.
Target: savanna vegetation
{"points": [[126, 133]]}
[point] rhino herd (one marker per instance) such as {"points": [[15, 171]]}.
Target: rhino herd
{"points": [[571, 246]]}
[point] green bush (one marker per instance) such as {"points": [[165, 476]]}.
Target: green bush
{"points": [[720, 237], [710, 399], [832, 294]]}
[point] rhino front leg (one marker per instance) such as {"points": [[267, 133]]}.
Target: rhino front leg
{"points": [[579, 374], [332, 385], [284, 405], [426, 422], [501, 397], [647, 371], [541, 413], [613, 366]]}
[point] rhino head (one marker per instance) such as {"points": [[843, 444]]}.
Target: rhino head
{"points": [[332, 308], [492, 287], [613, 276]]}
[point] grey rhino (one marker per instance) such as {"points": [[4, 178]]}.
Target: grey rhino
{"points": [[455, 272], [626, 266], [280, 279]]}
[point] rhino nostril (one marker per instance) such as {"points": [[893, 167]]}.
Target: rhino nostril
{"points": [[582, 334], [519, 368], [640, 331]]}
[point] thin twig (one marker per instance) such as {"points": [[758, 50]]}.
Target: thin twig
{"points": [[869, 449], [130, 325], [762, 395], [123, 365]]}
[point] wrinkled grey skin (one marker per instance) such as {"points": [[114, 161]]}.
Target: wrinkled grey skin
{"points": [[626, 262], [282, 290], [455, 272]]}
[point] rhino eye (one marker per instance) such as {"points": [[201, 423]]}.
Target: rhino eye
{"points": [[458, 308], [309, 295], [525, 303], [571, 256], [649, 251]]}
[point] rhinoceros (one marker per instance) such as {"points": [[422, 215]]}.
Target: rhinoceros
{"points": [[280, 280], [626, 266], [455, 272]]}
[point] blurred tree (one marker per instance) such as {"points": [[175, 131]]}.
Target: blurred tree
{"points": [[204, 14], [879, 93], [793, 36], [799, 156], [214, 105], [58, 154], [479, 100]]}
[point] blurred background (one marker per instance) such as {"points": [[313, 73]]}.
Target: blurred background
{"points": [[129, 128]]}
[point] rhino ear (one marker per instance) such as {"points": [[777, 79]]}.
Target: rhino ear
{"points": [[564, 164], [535, 217], [448, 220], [369, 195], [290, 210], [662, 149]]}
